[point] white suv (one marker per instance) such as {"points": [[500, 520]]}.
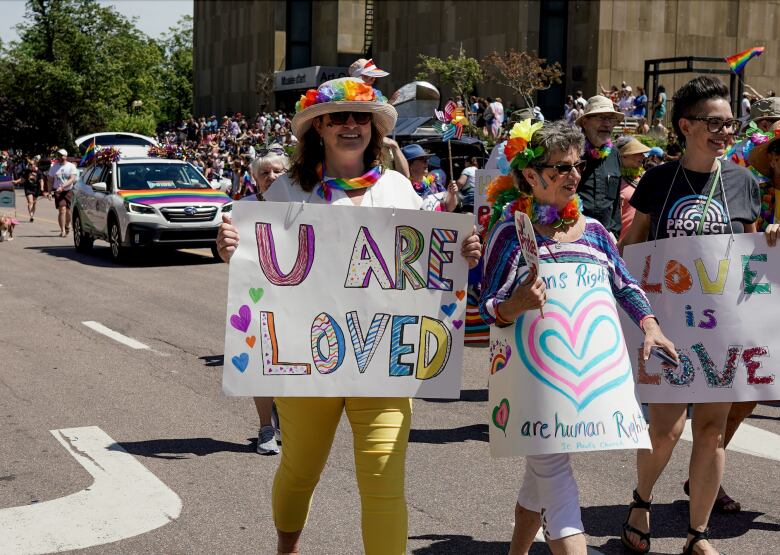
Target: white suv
{"points": [[136, 202]]}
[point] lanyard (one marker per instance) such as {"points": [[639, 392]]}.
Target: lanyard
{"points": [[709, 199]]}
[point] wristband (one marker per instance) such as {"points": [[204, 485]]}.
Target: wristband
{"points": [[642, 321], [500, 319]]}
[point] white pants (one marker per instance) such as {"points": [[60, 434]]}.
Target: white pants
{"points": [[549, 488]]}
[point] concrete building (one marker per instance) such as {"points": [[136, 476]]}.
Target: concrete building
{"points": [[595, 41]]}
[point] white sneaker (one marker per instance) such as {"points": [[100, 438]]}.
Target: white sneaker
{"points": [[266, 442], [275, 423]]}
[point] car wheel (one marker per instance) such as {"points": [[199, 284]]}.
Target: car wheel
{"points": [[118, 251], [81, 240]]}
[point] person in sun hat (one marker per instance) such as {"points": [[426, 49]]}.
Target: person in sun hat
{"points": [[600, 184], [632, 157], [338, 161], [366, 70]]}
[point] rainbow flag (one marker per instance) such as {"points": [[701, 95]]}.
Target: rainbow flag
{"points": [[165, 196], [737, 62], [89, 154]]}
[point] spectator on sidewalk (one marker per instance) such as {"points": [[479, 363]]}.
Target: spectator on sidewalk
{"points": [[63, 175]]}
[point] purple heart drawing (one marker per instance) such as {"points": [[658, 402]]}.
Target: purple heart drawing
{"points": [[457, 323], [241, 320]]}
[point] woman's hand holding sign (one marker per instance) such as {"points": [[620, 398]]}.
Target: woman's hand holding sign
{"points": [[471, 249], [227, 238], [654, 337], [525, 297]]}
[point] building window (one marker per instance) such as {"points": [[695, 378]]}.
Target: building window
{"points": [[298, 34]]}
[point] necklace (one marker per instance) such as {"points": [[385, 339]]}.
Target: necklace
{"points": [[544, 214], [598, 153]]}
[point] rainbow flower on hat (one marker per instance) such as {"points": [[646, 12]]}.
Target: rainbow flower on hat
{"points": [[340, 90], [517, 149]]}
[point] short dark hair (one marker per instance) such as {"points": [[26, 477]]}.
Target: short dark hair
{"points": [[688, 97]]}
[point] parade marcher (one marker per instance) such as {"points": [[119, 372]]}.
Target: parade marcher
{"points": [[600, 183], [466, 184], [659, 105], [34, 186], [545, 182], [702, 120], [424, 182], [63, 176], [340, 127], [632, 158]]}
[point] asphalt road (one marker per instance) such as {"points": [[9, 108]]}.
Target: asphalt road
{"points": [[165, 407]]}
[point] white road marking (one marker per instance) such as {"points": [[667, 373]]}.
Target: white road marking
{"points": [[125, 500], [115, 335], [748, 439]]}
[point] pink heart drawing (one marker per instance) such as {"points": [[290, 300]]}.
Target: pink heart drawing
{"points": [[572, 366], [501, 415], [241, 320]]}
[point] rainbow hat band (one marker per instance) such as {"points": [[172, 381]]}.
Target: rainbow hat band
{"points": [[166, 196], [346, 94]]}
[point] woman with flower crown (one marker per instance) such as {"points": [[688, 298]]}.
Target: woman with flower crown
{"points": [[545, 172], [340, 127]]}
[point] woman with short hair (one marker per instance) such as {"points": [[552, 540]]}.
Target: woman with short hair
{"points": [[338, 161], [703, 121]]}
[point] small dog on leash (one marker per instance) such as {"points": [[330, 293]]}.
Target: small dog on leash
{"points": [[7, 224]]}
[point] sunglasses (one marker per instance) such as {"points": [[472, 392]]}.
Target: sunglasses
{"points": [[715, 125], [340, 118], [265, 151], [565, 169]]}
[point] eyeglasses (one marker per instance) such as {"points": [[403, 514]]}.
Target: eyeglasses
{"points": [[715, 125], [606, 118], [565, 169], [340, 118]]}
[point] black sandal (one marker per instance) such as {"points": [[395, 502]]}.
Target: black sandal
{"points": [[697, 537], [638, 503]]}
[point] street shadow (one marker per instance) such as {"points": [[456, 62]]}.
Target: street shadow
{"points": [[668, 521], [213, 360], [475, 432], [147, 258], [448, 544], [466, 395], [180, 448]]}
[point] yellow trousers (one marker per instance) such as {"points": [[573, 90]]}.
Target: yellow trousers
{"points": [[380, 432]]}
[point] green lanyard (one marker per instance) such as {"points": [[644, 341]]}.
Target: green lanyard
{"points": [[709, 199]]}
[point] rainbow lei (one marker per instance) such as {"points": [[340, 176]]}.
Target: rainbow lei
{"points": [[327, 184], [767, 215], [544, 214], [598, 153], [341, 90]]}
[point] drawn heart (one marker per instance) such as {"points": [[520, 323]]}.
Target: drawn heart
{"points": [[501, 415], [585, 361], [251, 341], [256, 293], [241, 320], [457, 324], [460, 294], [449, 309], [240, 362]]}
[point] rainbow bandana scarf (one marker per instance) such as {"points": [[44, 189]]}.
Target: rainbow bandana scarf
{"points": [[327, 184], [165, 196]]}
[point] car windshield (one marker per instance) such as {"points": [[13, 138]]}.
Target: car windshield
{"points": [[151, 175]]}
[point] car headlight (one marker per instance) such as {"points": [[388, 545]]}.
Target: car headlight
{"points": [[138, 208], [228, 207]]}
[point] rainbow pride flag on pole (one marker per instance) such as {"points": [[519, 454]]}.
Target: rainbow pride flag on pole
{"points": [[89, 154], [737, 62]]}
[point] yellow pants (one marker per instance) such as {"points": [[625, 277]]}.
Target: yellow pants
{"points": [[380, 432]]}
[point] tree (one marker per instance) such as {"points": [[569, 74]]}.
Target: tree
{"points": [[264, 87], [177, 75], [460, 72], [523, 72]]}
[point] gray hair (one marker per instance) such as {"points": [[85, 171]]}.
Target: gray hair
{"points": [[555, 136], [270, 158]]}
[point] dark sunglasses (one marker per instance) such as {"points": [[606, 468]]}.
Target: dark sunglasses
{"points": [[715, 125], [265, 151], [565, 169], [340, 118]]}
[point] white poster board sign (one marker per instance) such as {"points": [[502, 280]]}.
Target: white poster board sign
{"points": [[563, 382], [482, 179], [330, 301], [720, 305]]}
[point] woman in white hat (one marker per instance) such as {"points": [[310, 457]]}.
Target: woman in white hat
{"points": [[340, 127]]}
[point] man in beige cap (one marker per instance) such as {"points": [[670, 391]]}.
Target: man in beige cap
{"points": [[599, 186]]}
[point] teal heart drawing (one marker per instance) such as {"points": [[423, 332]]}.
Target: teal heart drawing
{"points": [[241, 362], [256, 293]]}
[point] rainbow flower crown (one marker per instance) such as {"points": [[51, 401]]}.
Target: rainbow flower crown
{"points": [[517, 149], [340, 90]]}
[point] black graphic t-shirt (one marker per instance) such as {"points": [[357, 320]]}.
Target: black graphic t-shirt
{"points": [[681, 213]]}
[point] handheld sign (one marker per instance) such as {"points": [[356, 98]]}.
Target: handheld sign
{"points": [[527, 239]]}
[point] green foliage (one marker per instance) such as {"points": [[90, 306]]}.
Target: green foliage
{"points": [[80, 67], [460, 72], [647, 140]]}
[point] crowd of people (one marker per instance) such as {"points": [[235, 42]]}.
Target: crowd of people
{"points": [[588, 192]]}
